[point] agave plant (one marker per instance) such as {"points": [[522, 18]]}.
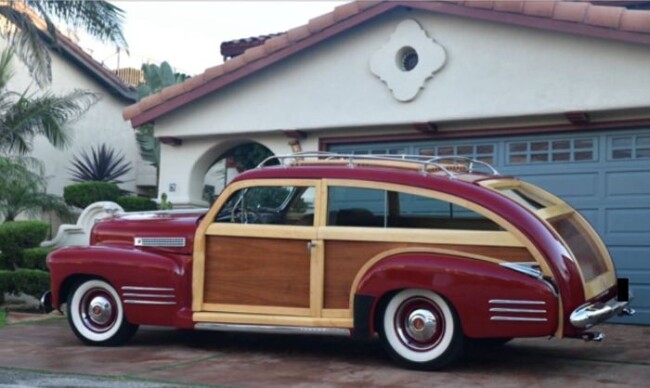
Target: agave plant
{"points": [[103, 164]]}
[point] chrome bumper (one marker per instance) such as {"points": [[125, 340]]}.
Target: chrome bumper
{"points": [[46, 302], [592, 314]]}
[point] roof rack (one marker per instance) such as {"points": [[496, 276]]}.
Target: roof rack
{"points": [[449, 165]]}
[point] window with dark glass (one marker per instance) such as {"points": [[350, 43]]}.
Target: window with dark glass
{"points": [[275, 205], [361, 207]]}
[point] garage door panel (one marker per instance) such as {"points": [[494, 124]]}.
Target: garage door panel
{"points": [[628, 183], [569, 186], [631, 257], [629, 224]]}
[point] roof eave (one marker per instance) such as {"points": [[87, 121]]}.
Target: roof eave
{"points": [[447, 8]]}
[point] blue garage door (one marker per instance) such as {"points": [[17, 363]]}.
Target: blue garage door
{"points": [[605, 175]]}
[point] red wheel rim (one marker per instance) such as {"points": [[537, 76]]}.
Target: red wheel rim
{"points": [[419, 324], [98, 310]]}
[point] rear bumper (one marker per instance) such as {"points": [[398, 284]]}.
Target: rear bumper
{"points": [[592, 314]]}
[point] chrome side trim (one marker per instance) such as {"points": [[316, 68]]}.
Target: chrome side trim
{"points": [[154, 302], [272, 329], [517, 319], [160, 296], [517, 301], [140, 288], [508, 310], [165, 242], [525, 268]]}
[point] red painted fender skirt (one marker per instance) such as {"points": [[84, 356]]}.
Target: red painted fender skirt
{"points": [[482, 293], [146, 277]]}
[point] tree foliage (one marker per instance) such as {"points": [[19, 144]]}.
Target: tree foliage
{"points": [[24, 116], [24, 189], [30, 37]]}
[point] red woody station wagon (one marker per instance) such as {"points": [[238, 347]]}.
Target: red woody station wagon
{"points": [[427, 253]]}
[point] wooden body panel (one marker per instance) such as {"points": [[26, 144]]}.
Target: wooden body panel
{"points": [[257, 271], [344, 260]]}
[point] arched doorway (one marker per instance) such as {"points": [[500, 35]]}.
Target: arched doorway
{"points": [[230, 164]]}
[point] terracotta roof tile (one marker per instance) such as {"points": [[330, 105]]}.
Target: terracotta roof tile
{"points": [[150, 101], [298, 34], [132, 111], [598, 15], [234, 64], [321, 22], [253, 54], [570, 12], [278, 43], [171, 91], [197, 80], [365, 4], [540, 8], [509, 6], [635, 21], [607, 18], [213, 72], [345, 11], [479, 4]]}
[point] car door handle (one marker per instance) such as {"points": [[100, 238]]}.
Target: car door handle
{"points": [[311, 245]]}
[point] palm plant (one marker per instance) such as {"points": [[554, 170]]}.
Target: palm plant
{"points": [[23, 116], [23, 189], [156, 78], [103, 164], [30, 37]]}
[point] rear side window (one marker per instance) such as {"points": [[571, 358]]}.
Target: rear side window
{"points": [[361, 207]]}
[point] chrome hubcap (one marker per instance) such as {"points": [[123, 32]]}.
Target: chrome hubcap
{"points": [[100, 310], [421, 325]]}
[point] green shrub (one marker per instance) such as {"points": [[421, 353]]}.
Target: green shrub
{"points": [[86, 193], [34, 258], [136, 204], [30, 281], [6, 284], [16, 236]]}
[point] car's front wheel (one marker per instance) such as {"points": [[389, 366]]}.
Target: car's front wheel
{"points": [[420, 329], [96, 314]]}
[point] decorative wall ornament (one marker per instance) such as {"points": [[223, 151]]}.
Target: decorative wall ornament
{"points": [[407, 60]]}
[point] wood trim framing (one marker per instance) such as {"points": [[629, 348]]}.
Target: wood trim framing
{"points": [[262, 310], [272, 320]]}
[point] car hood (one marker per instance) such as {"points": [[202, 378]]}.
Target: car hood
{"points": [[169, 231]]}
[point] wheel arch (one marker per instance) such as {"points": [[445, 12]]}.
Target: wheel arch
{"points": [[456, 279]]}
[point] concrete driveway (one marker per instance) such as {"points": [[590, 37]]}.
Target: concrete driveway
{"points": [[247, 360]]}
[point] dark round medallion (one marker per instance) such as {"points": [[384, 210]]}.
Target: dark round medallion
{"points": [[407, 58]]}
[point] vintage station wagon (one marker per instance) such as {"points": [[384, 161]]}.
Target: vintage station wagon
{"points": [[428, 253]]}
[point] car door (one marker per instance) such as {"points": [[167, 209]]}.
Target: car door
{"points": [[257, 258]]}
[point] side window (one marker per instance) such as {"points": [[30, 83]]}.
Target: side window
{"points": [[351, 206], [380, 208], [414, 211], [275, 205]]}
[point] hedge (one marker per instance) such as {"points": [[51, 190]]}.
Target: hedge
{"points": [[83, 194], [136, 204], [31, 282], [16, 236], [6, 284], [34, 258]]}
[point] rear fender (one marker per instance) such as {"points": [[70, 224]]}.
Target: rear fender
{"points": [[155, 288], [485, 295]]}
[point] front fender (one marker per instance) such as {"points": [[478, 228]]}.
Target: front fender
{"points": [[131, 271], [485, 295]]}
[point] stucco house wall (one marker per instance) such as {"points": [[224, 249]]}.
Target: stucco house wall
{"points": [[102, 123], [495, 75]]}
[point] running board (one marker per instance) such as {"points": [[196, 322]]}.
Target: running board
{"points": [[272, 329]]}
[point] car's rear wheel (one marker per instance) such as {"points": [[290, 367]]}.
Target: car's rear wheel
{"points": [[96, 314], [420, 329]]}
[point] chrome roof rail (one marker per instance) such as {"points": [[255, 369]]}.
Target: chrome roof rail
{"points": [[426, 162]]}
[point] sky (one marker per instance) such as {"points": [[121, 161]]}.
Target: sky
{"points": [[187, 34]]}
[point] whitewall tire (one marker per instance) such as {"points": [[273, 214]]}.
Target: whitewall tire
{"points": [[420, 329], [96, 314]]}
